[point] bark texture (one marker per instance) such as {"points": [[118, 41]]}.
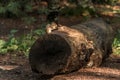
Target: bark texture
{"points": [[66, 49]]}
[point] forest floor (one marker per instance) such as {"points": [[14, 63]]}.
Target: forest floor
{"points": [[15, 66]]}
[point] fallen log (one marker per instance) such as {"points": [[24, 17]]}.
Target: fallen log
{"points": [[66, 49]]}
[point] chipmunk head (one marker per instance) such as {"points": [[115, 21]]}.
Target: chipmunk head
{"points": [[51, 27]]}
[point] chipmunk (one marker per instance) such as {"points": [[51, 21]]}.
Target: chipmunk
{"points": [[54, 26], [51, 27]]}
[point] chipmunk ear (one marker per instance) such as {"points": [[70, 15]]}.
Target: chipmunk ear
{"points": [[53, 23], [48, 25], [59, 25]]}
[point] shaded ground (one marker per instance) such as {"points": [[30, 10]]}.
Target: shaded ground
{"points": [[16, 67]]}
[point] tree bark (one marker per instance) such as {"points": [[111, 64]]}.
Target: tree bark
{"points": [[67, 49]]}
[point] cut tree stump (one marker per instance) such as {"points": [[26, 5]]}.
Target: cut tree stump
{"points": [[67, 49]]}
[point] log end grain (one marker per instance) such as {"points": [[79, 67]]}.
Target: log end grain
{"points": [[49, 54]]}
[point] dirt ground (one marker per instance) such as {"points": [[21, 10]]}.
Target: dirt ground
{"points": [[15, 66]]}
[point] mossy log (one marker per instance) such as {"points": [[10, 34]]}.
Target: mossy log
{"points": [[67, 49]]}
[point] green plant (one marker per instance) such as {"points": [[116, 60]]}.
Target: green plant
{"points": [[111, 2], [19, 44], [9, 45], [14, 8], [2, 43], [84, 8], [116, 43]]}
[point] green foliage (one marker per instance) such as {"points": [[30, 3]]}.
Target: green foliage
{"points": [[116, 43], [2, 43], [14, 8], [111, 2], [20, 8], [82, 9], [2, 10], [19, 44]]}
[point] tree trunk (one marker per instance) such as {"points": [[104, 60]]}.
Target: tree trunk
{"points": [[67, 49]]}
